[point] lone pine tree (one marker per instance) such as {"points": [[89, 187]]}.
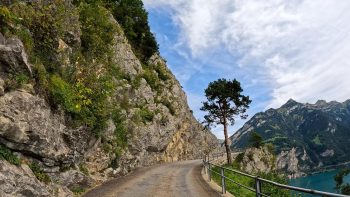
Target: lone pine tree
{"points": [[224, 103]]}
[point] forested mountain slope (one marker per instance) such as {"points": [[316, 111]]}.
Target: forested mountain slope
{"points": [[305, 136]]}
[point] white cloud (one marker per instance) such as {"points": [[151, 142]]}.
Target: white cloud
{"points": [[301, 46]]}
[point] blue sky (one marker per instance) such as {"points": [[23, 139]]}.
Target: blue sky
{"points": [[277, 49]]}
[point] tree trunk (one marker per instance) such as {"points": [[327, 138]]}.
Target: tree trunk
{"points": [[227, 145]]}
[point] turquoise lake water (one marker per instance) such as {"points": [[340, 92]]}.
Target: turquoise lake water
{"points": [[321, 181]]}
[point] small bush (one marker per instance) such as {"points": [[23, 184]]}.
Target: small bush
{"points": [[161, 71], [63, 93], [152, 79], [21, 79], [6, 18], [239, 157], [270, 147], [39, 173], [77, 190], [136, 82], [83, 169], [256, 140], [42, 79], [146, 115], [170, 106], [7, 155], [16, 81], [120, 131]]}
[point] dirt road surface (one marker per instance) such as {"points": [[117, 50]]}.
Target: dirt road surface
{"points": [[178, 179]]}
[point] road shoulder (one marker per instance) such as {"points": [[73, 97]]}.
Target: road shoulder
{"points": [[214, 185]]}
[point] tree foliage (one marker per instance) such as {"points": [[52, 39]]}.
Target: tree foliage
{"points": [[225, 102], [256, 140], [132, 16]]}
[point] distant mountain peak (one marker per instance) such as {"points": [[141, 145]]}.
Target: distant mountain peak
{"points": [[290, 103], [321, 102]]}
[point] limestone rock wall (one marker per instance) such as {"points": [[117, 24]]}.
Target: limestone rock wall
{"points": [[74, 158]]}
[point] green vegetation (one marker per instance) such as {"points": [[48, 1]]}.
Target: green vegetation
{"points": [[132, 16], [146, 115], [116, 143], [97, 31], [239, 157], [249, 182], [343, 188], [64, 94], [225, 102], [317, 140], [16, 80], [275, 138], [82, 89], [163, 73], [46, 23], [7, 154], [256, 140], [83, 169], [152, 78], [270, 147], [39, 173], [77, 190], [6, 19]]}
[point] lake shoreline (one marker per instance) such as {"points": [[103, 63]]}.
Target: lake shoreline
{"points": [[322, 180], [320, 170], [329, 168]]}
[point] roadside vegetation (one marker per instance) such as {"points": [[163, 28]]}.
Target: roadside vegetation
{"points": [[249, 182], [256, 141]]}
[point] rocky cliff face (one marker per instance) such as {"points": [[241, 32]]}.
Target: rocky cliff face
{"points": [[255, 160], [48, 153], [306, 136]]}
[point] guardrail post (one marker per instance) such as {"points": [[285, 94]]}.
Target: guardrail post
{"points": [[209, 172], [258, 187], [203, 165], [223, 184]]}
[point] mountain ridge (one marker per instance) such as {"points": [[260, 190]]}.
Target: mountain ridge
{"points": [[313, 134]]}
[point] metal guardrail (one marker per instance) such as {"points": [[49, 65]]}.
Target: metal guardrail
{"points": [[217, 155], [258, 187]]}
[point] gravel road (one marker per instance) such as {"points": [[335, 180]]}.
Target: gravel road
{"points": [[167, 180]]}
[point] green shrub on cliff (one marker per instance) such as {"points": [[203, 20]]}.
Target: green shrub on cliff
{"points": [[46, 24], [146, 115], [63, 93], [39, 173], [8, 155], [6, 18], [98, 31]]}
